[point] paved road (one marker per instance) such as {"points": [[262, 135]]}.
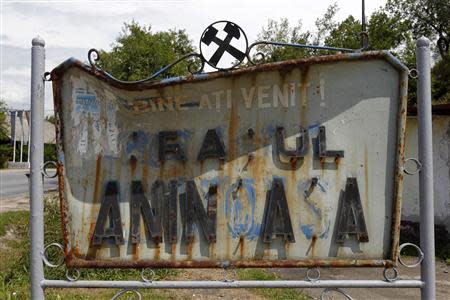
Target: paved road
{"points": [[14, 183]]}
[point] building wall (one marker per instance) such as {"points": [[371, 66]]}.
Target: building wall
{"points": [[441, 164]]}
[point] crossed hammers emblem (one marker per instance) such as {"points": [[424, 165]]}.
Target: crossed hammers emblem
{"points": [[210, 35]]}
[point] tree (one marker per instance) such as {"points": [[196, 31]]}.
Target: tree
{"points": [[138, 52], [3, 126], [386, 30], [440, 75], [345, 34], [430, 18], [281, 31], [5, 148]]}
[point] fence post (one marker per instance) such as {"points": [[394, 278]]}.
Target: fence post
{"points": [[427, 270], [37, 157]]}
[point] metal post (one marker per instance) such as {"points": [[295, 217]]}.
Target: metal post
{"points": [[21, 135], [37, 157], [29, 141], [427, 269], [14, 145]]}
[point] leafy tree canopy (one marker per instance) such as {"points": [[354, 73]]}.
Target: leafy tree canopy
{"points": [[430, 18], [139, 52], [3, 127]]}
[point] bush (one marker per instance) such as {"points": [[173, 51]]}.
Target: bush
{"points": [[6, 153], [49, 152]]}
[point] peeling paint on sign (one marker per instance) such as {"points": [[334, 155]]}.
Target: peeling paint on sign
{"points": [[276, 165]]}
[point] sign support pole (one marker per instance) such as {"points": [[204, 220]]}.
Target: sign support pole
{"points": [[427, 270], [14, 143], [37, 157]]}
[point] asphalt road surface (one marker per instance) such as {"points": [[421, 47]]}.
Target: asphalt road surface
{"points": [[14, 183]]}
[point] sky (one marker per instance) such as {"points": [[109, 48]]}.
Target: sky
{"points": [[71, 28]]}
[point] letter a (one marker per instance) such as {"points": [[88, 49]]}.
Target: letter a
{"points": [[277, 221], [109, 206]]}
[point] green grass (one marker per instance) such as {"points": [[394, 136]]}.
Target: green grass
{"points": [[15, 261], [18, 218], [278, 294]]}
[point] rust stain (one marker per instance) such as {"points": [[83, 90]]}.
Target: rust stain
{"points": [[157, 252], [366, 176], [242, 247], [232, 131], [201, 166], [173, 251], [212, 250], [313, 245], [161, 169], [75, 261], [135, 251], [145, 172], [98, 170], [337, 162], [304, 96], [133, 164], [189, 249]]}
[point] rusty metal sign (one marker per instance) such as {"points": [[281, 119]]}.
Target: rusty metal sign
{"points": [[281, 165]]}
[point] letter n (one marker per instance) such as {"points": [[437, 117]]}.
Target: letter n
{"points": [[193, 211], [140, 205]]}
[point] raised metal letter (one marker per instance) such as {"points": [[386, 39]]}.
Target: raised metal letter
{"points": [[351, 218], [323, 152], [302, 144], [170, 209], [164, 147], [193, 211], [277, 221], [212, 146], [139, 204], [109, 206]]}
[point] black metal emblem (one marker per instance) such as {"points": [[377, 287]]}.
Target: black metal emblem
{"points": [[234, 43]]}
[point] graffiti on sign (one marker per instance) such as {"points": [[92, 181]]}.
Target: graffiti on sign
{"points": [[288, 164]]}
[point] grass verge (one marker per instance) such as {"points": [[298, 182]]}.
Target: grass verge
{"points": [[15, 261]]}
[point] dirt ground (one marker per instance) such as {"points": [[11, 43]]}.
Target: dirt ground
{"points": [[14, 203], [208, 294], [20, 202], [442, 281]]}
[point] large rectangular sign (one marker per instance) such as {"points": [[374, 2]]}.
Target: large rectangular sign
{"points": [[281, 165]]}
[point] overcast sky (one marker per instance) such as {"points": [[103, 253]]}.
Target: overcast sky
{"points": [[71, 28]]}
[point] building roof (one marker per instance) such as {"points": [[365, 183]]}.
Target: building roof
{"points": [[49, 130]]}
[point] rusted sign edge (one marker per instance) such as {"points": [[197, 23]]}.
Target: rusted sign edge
{"points": [[59, 71], [400, 160], [72, 260]]}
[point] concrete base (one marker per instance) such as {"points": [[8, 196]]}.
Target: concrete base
{"points": [[18, 165]]}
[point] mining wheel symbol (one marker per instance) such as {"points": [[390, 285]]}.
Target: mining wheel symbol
{"points": [[223, 45]]}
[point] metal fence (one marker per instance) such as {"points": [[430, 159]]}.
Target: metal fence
{"points": [[426, 258]]}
